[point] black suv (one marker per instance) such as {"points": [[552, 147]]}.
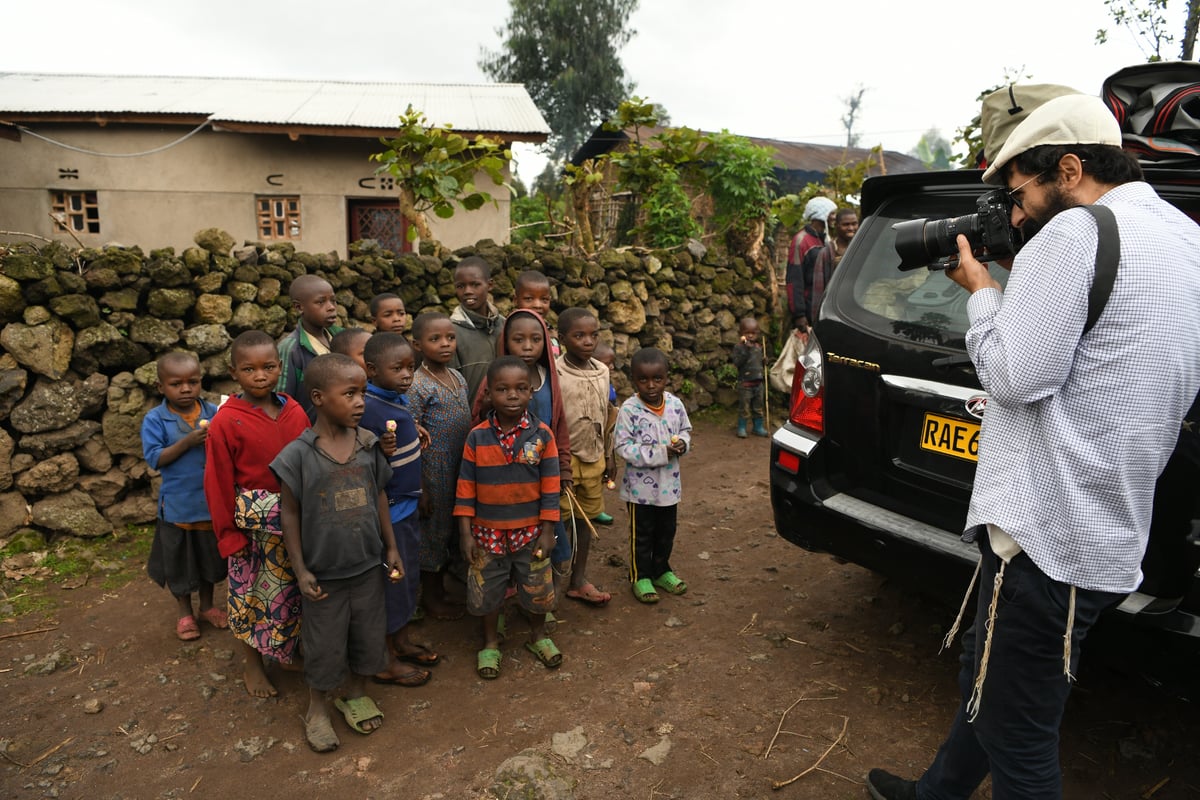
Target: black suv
{"points": [[876, 460]]}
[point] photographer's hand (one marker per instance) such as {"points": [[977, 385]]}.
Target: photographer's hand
{"points": [[970, 274]]}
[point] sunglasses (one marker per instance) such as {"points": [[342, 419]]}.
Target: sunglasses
{"points": [[1014, 196]]}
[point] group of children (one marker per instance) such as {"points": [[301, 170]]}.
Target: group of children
{"points": [[354, 470]]}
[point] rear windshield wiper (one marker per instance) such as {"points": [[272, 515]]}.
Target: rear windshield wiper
{"points": [[953, 361]]}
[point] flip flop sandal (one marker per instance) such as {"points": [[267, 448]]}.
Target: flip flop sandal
{"points": [[643, 590], [603, 519], [424, 657], [487, 663], [215, 617], [320, 736], [411, 679], [590, 595], [671, 583], [187, 629], [546, 652], [358, 710]]}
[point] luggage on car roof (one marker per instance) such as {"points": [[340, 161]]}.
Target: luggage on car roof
{"points": [[1158, 107]]}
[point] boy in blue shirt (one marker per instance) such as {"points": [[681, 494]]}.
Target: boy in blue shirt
{"points": [[184, 556], [390, 367]]}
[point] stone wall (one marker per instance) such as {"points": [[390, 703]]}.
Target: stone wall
{"points": [[82, 329]]}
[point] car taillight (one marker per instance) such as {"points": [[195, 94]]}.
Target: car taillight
{"points": [[808, 388], [788, 461]]}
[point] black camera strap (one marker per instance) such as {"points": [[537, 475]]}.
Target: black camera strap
{"points": [[1108, 254]]}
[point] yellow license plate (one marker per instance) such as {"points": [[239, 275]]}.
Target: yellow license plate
{"points": [[950, 436]]}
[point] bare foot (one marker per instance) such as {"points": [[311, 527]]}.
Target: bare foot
{"points": [[255, 678], [439, 608], [295, 665]]}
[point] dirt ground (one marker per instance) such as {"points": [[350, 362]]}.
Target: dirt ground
{"points": [[765, 629]]}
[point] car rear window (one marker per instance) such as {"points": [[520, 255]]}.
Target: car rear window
{"points": [[922, 305]]}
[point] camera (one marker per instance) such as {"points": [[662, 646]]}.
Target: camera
{"points": [[933, 243]]}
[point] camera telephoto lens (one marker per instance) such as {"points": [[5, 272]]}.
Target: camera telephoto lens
{"points": [[927, 243], [921, 242]]}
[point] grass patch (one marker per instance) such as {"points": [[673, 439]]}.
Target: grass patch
{"points": [[715, 414], [113, 561]]}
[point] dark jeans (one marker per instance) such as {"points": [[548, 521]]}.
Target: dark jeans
{"points": [[651, 539], [750, 401], [1015, 735]]}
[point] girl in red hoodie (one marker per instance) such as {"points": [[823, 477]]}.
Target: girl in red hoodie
{"points": [[246, 434]]}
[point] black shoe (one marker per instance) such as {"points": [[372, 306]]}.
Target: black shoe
{"points": [[886, 786]]}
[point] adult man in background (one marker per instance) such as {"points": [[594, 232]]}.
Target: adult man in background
{"points": [[844, 224], [816, 211], [1062, 497]]}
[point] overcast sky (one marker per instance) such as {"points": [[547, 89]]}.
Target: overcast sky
{"points": [[773, 68]]}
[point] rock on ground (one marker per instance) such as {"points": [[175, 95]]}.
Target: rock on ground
{"points": [[529, 776]]}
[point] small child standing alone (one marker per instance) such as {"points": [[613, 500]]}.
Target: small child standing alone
{"points": [[184, 556], [338, 532], [653, 431], [747, 356]]}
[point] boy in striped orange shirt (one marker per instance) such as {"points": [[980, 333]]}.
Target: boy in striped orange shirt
{"points": [[507, 506]]}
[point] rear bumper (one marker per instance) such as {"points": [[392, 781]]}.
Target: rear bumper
{"points": [[811, 514]]}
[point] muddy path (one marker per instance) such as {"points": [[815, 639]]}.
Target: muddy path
{"points": [[681, 699]]}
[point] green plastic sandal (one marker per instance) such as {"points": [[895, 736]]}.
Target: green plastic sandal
{"points": [[358, 710], [487, 663], [546, 652], [643, 590], [670, 583]]}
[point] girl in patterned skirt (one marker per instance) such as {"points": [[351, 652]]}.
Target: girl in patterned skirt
{"points": [[246, 434], [438, 402]]}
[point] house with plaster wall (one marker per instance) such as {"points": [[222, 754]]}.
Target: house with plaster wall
{"points": [[152, 160]]}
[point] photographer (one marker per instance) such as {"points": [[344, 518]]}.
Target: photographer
{"points": [[1078, 426]]}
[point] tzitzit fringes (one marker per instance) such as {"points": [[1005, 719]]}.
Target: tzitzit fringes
{"points": [[963, 608], [977, 691], [1067, 636]]}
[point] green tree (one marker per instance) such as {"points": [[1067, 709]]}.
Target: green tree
{"points": [[1146, 21], [669, 172], [842, 184], [435, 169], [565, 52], [932, 149]]}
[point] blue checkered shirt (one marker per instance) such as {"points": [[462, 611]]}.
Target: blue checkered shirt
{"points": [[1077, 430]]}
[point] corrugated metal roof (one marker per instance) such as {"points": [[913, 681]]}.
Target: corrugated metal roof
{"points": [[492, 107]]}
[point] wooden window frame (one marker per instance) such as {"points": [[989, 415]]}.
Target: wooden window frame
{"points": [[77, 212], [278, 217]]}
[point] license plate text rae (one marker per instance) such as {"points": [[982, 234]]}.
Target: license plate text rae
{"points": [[950, 436]]}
